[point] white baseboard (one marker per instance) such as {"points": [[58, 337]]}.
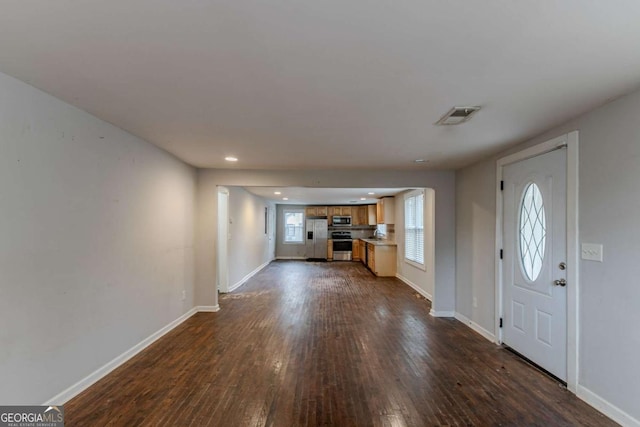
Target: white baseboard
{"points": [[247, 277], [208, 308], [415, 287], [291, 257], [473, 325], [442, 313], [98, 374], [610, 410]]}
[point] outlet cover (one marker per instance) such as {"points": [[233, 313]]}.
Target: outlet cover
{"points": [[592, 252]]}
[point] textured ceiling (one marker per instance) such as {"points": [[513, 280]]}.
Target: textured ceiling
{"points": [[327, 84]]}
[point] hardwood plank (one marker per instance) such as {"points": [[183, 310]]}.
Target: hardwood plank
{"points": [[310, 344]]}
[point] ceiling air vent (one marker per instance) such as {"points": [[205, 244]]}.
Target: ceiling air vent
{"points": [[457, 115]]}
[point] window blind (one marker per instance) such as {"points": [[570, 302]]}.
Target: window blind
{"points": [[414, 228]]}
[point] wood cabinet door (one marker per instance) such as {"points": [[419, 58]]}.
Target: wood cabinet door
{"points": [[321, 210], [371, 215], [345, 211], [364, 215], [380, 211], [310, 211]]}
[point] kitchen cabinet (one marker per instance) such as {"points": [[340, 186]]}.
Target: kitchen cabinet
{"points": [[381, 259], [355, 250], [386, 210], [372, 217], [329, 249], [316, 211], [340, 211], [346, 211], [363, 215], [359, 216]]}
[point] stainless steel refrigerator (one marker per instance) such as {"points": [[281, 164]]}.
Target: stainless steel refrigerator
{"points": [[316, 238]]}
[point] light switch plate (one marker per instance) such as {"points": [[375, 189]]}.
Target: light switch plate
{"points": [[592, 252]]}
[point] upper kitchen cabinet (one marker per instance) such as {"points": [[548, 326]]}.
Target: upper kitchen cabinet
{"points": [[345, 211], [339, 210], [359, 215], [316, 211], [372, 215], [386, 210]]}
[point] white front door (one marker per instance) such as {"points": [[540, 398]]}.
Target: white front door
{"points": [[534, 257]]}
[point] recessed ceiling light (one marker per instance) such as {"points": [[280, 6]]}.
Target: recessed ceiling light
{"points": [[420, 161], [363, 198], [231, 159], [285, 198], [371, 193], [277, 192]]}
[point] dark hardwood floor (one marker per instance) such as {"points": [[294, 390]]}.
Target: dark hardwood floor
{"points": [[310, 344]]}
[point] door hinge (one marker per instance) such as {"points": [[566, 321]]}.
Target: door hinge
{"points": [[501, 253], [501, 322], [501, 185]]}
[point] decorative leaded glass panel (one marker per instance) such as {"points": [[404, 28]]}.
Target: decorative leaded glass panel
{"points": [[533, 231]]}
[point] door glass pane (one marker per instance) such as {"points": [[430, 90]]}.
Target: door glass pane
{"points": [[533, 231]]}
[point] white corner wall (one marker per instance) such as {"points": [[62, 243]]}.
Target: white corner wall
{"points": [[96, 242], [609, 202], [249, 247]]}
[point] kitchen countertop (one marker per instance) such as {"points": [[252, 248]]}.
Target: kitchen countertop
{"points": [[377, 242]]}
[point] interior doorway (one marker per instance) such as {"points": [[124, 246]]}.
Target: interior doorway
{"points": [[223, 240]]}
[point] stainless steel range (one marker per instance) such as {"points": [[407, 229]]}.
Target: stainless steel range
{"points": [[342, 245]]}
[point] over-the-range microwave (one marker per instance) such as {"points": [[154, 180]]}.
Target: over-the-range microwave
{"points": [[341, 221]]}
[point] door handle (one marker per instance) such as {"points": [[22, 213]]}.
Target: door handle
{"points": [[560, 282]]}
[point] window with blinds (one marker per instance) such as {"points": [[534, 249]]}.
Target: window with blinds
{"points": [[414, 228]]}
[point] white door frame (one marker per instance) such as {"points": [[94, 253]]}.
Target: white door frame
{"points": [[570, 140], [222, 249]]}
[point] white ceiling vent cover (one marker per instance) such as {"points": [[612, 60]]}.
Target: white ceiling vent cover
{"points": [[457, 115]]}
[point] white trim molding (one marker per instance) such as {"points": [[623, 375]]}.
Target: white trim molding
{"points": [[476, 327], [442, 313], [610, 410], [101, 372], [207, 308], [571, 141], [415, 287], [247, 277], [77, 388]]}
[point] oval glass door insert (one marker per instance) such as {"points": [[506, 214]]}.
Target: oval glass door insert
{"points": [[533, 231]]}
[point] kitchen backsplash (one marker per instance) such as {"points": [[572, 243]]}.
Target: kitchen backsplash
{"points": [[385, 231]]}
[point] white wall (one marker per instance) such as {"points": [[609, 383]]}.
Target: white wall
{"points": [[443, 182], [249, 247], [422, 279], [609, 203], [96, 242], [475, 243], [287, 250]]}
